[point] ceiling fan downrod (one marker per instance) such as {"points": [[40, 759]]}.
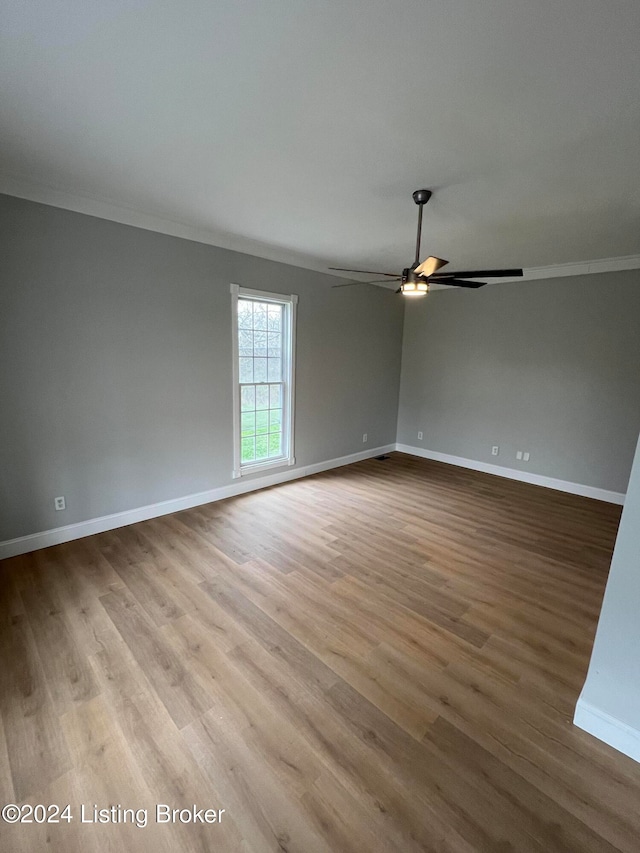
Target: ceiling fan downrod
{"points": [[421, 197]]}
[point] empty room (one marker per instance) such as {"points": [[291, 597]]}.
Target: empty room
{"points": [[319, 420]]}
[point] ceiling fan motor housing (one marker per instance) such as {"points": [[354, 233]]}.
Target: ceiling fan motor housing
{"points": [[409, 276]]}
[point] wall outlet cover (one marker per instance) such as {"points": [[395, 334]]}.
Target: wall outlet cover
{"points": [[59, 503]]}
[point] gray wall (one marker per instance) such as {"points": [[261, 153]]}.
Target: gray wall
{"points": [[613, 681], [115, 365], [552, 367]]}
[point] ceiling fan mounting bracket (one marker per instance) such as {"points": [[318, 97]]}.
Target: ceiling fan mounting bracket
{"points": [[422, 196]]}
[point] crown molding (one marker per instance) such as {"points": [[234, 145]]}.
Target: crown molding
{"points": [[90, 206], [600, 265]]}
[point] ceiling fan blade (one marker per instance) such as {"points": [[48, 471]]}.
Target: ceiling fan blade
{"points": [[366, 272], [375, 281], [459, 282], [481, 274], [430, 266]]}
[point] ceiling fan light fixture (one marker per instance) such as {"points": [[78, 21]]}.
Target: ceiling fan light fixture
{"points": [[414, 288]]}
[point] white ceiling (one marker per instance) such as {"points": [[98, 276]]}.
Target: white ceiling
{"points": [[297, 129]]}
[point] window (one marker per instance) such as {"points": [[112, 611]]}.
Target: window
{"points": [[263, 364]]}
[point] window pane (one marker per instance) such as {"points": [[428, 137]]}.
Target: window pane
{"points": [[246, 369], [260, 344], [275, 420], [245, 342], [245, 314], [248, 423], [275, 444], [248, 398], [260, 315], [262, 397], [275, 321], [248, 450], [262, 422], [259, 370], [275, 369], [273, 340], [274, 397], [262, 446]]}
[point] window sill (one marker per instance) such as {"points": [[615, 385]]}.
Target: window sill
{"points": [[245, 470]]}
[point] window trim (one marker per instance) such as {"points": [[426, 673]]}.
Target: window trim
{"points": [[289, 376]]}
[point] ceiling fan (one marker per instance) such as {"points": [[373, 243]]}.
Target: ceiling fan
{"points": [[415, 280]]}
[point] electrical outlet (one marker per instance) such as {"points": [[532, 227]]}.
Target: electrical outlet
{"points": [[419, 436], [519, 455], [495, 450], [59, 503], [364, 438], [526, 456]]}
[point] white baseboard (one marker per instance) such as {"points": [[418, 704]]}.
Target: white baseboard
{"points": [[46, 538], [514, 474], [606, 728]]}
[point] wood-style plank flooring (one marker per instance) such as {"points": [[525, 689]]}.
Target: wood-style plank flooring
{"points": [[384, 657]]}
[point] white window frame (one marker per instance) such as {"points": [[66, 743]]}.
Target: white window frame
{"points": [[290, 302]]}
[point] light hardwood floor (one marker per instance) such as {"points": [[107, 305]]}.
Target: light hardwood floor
{"points": [[385, 657]]}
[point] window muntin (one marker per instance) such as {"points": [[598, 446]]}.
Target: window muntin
{"points": [[264, 326]]}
